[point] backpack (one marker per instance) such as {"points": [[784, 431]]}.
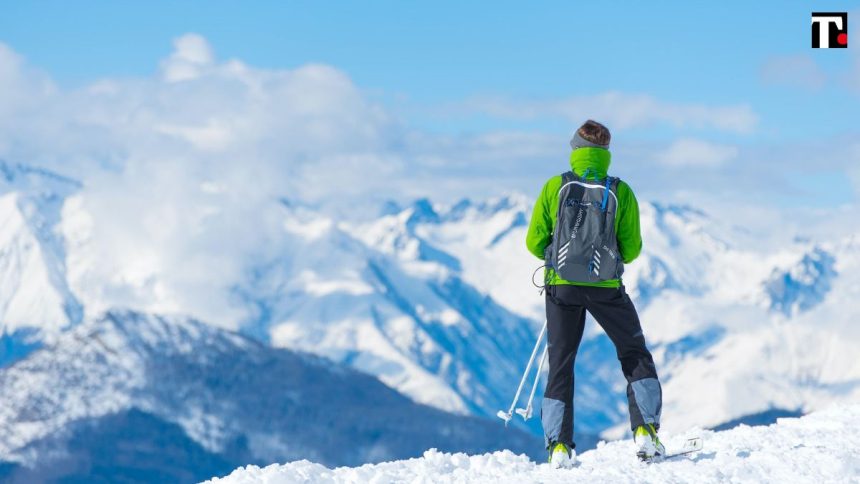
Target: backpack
{"points": [[584, 247]]}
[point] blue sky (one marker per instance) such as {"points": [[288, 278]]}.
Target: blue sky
{"points": [[438, 65]]}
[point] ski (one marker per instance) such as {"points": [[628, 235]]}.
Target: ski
{"points": [[690, 446]]}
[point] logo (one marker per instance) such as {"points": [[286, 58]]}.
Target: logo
{"points": [[829, 30], [576, 224]]}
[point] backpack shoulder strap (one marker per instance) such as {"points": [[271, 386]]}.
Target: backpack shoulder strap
{"points": [[614, 185], [566, 178]]}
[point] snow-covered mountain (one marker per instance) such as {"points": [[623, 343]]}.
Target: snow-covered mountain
{"points": [[386, 302], [35, 300], [816, 448], [132, 396]]}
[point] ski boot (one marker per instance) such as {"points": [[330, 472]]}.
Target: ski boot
{"points": [[561, 456], [649, 444]]}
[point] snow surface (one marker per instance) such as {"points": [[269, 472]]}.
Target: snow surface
{"points": [[820, 447]]}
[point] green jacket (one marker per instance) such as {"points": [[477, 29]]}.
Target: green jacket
{"points": [[596, 162]]}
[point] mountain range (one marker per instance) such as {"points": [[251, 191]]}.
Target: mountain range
{"points": [[427, 309]]}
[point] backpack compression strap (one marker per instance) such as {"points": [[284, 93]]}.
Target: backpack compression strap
{"points": [[609, 181]]}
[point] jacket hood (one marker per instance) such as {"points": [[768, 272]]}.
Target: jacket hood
{"points": [[593, 160]]}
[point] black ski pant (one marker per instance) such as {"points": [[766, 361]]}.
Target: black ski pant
{"points": [[614, 311]]}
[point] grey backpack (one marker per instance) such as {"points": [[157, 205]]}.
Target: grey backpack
{"points": [[584, 247]]}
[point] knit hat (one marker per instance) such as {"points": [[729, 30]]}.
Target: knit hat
{"points": [[579, 142]]}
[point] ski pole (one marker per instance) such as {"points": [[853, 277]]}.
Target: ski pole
{"points": [[527, 412], [507, 416]]}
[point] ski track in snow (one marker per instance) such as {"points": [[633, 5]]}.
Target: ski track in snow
{"points": [[820, 447]]}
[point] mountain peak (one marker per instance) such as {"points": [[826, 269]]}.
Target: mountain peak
{"points": [[422, 211]]}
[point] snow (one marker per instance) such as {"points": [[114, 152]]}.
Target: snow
{"points": [[820, 447]]}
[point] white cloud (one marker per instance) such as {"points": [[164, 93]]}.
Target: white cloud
{"points": [[697, 153], [623, 111], [497, 148], [21, 87], [183, 171], [794, 71], [214, 135], [192, 54]]}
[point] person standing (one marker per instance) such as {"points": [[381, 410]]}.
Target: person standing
{"points": [[585, 225]]}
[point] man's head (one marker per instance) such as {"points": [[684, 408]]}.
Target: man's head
{"points": [[591, 134]]}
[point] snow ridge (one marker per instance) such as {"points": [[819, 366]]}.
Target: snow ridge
{"points": [[815, 448]]}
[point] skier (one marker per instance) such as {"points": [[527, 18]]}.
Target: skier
{"points": [[584, 257]]}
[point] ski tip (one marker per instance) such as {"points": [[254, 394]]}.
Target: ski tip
{"points": [[504, 416]]}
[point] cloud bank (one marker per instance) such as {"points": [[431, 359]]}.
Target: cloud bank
{"points": [[184, 170]]}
